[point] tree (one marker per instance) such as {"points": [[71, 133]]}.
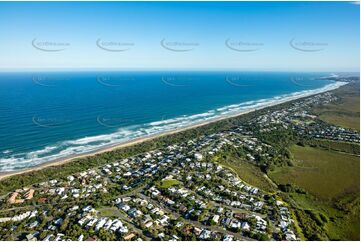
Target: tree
{"points": [[64, 225]]}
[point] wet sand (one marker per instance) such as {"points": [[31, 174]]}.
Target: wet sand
{"points": [[62, 161]]}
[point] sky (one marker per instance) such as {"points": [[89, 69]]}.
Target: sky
{"points": [[272, 36]]}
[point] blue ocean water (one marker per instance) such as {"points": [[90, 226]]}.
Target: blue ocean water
{"points": [[46, 116]]}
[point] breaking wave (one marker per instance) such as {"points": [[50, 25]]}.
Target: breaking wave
{"points": [[85, 145]]}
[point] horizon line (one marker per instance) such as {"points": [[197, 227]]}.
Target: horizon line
{"points": [[3, 70]]}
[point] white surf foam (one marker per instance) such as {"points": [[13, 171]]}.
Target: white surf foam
{"points": [[89, 144]]}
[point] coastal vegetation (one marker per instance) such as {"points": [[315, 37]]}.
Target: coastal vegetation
{"points": [[328, 207], [79, 164], [345, 147], [247, 171], [318, 178], [326, 176], [345, 112]]}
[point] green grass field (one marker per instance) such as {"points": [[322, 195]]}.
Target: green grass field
{"points": [[346, 112], [345, 147], [109, 212], [165, 184], [325, 174], [331, 181], [247, 172], [341, 119]]}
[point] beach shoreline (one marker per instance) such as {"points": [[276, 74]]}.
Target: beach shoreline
{"points": [[112, 147]]}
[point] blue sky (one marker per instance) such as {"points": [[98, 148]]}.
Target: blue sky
{"points": [[279, 36]]}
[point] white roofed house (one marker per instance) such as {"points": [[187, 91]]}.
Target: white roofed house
{"points": [[235, 224], [215, 219], [220, 210], [198, 156], [134, 213], [48, 237], [108, 224], [228, 237], [58, 237], [83, 220], [245, 226], [116, 225], [123, 229], [70, 178], [58, 221], [91, 222], [206, 234], [290, 236], [100, 224], [164, 220], [81, 237]]}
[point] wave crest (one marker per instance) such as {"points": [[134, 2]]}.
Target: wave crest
{"points": [[90, 144]]}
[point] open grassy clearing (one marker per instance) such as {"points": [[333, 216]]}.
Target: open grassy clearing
{"points": [[109, 212], [165, 184], [330, 207], [345, 147], [325, 174], [247, 172], [346, 112], [341, 119], [342, 222]]}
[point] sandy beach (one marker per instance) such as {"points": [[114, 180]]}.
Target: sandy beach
{"points": [[58, 162], [108, 148]]}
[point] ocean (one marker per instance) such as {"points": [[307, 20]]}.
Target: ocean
{"points": [[51, 115]]}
